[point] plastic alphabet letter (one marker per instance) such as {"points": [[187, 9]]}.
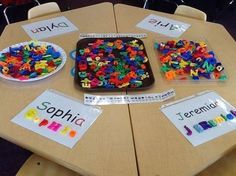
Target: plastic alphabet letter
{"points": [[230, 116], [65, 130], [198, 128], [219, 119], [72, 133], [54, 126], [189, 132], [44, 122], [205, 125]]}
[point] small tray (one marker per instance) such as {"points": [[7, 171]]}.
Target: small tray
{"points": [[112, 64], [189, 60]]}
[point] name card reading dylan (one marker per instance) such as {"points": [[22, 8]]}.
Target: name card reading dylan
{"points": [[49, 28], [162, 25], [202, 117], [57, 117]]}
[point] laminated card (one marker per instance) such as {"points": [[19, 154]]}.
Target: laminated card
{"points": [[57, 117], [49, 28], [162, 25], [202, 117]]}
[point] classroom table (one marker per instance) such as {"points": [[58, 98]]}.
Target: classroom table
{"points": [[161, 149], [107, 147]]}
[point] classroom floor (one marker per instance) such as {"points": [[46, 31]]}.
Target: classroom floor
{"points": [[12, 157]]}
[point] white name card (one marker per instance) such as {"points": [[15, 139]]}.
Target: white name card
{"points": [[57, 117], [162, 25], [202, 117], [49, 28]]}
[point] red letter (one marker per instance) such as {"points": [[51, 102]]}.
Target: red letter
{"points": [[44, 122]]}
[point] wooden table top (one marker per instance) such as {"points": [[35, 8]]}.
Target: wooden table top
{"points": [[161, 148], [107, 147]]}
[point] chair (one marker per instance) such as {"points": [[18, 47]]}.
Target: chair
{"points": [[160, 5], [191, 12], [38, 166], [13, 4], [43, 9]]}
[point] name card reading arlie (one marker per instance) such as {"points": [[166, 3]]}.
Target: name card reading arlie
{"points": [[49, 28], [162, 25], [57, 117], [202, 117]]}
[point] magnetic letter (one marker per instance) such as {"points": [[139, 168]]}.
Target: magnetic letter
{"points": [[230, 116], [219, 119], [54, 126], [205, 125], [72, 133], [212, 123], [65, 130], [43, 123], [233, 112], [189, 132], [198, 128]]}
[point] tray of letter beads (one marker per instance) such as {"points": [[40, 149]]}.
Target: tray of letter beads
{"points": [[112, 64], [189, 60], [31, 61]]}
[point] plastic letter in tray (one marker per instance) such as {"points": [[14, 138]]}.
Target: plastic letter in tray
{"points": [[112, 64]]}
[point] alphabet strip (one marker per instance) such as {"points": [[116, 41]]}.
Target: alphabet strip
{"points": [[111, 35], [128, 99]]}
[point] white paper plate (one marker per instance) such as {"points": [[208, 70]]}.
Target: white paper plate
{"points": [[56, 47]]}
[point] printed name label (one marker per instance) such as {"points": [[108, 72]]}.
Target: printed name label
{"points": [[49, 28], [202, 117], [57, 117], [162, 25]]}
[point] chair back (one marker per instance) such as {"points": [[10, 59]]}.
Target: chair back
{"points": [[191, 12], [161, 5], [43, 9]]}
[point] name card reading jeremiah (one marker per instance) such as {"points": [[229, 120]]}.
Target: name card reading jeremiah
{"points": [[202, 117], [57, 117], [49, 28], [162, 25]]}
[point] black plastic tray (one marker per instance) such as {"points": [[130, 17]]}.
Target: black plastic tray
{"points": [[88, 43]]}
